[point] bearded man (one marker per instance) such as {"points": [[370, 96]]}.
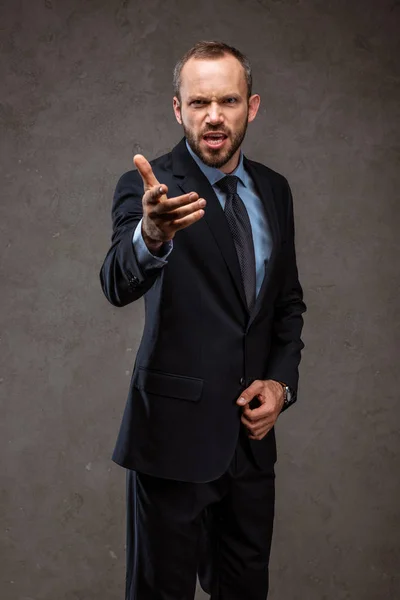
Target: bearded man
{"points": [[206, 236]]}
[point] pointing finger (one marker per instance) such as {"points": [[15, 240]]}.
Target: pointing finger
{"points": [[145, 170]]}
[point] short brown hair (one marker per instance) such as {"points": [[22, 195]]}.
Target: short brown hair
{"points": [[212, 50]]}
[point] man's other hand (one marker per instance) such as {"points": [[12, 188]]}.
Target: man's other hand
{"points": [[258, 421], [162, 216]]}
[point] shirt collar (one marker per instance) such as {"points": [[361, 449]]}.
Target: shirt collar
{"points": [[214, 175]]}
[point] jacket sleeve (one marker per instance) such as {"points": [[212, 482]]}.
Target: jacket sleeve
{"points": [[285, 354], [123, 279]]}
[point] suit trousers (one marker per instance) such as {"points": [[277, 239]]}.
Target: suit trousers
{"points": [[219, 530]]}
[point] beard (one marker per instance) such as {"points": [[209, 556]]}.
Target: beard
{"points": [[216, 158]]}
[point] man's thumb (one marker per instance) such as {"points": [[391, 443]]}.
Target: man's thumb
{"points": [[249, 393], [243, 400]]}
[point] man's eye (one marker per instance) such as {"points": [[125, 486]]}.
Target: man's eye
{"points": [[197, 102], [230, 100]]}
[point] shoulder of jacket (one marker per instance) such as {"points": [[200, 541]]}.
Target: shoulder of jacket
{"points": [[275, 178]]}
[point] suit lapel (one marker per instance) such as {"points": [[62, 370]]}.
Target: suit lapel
{"points": [[190, 178], [265, 192]]}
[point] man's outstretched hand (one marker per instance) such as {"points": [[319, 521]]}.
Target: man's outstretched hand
{"points": [[258, 421], [162, 216]]}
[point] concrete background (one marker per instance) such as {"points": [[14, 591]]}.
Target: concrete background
{"points": [[85, 85]]}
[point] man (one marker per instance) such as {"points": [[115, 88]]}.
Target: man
{"points": [[207, 237]]}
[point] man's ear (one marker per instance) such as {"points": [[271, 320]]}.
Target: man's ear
{"points": [[254, 105], [177, 110]]}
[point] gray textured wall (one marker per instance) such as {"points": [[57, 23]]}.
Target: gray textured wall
{"points": [[84, 85]]}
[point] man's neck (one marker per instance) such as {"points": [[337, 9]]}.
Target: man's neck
{"points": [[232, 164]]}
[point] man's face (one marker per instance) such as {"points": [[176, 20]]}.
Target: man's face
{"points": [[214, 109]]}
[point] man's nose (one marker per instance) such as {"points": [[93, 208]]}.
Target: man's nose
{"points": [[214, 114]]}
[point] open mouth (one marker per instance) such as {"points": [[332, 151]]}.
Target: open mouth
{"points": [[215, 140]]}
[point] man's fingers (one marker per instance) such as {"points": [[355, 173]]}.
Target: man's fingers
{"points": [[145, 170], [258, 413], [189, 220], [249, 422], [172, 214], [179, 213], [171, 204], [257, 429]]}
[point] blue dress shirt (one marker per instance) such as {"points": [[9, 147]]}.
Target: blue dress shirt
{"points": [[246, 189]]}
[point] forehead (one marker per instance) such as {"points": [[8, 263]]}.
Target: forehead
{"points": [[213, 77]]}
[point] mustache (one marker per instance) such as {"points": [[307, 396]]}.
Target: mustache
{"points": [[215, 129]]}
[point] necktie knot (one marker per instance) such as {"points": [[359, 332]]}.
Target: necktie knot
{"points": [[228, 184]]}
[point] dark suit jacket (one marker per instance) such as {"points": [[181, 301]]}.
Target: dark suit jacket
{"points": [[200, 346]]}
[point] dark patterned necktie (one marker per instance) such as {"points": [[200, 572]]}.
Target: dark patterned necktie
{"points": [[239, 224]]}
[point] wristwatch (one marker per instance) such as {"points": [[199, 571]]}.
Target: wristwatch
{"points": [[288, 396]]}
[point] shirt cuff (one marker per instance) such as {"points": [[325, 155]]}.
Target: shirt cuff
{"points": [[144, 257]]}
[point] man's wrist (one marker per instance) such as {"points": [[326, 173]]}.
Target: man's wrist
{"points": [[288, 395], [154, 246], [146, 259], [280, 383]]}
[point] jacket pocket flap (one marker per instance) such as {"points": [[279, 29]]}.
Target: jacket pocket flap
{"points": [[166, 384]]}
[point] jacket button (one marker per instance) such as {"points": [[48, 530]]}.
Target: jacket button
{"points": [[241, 381], [133, 280]]}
